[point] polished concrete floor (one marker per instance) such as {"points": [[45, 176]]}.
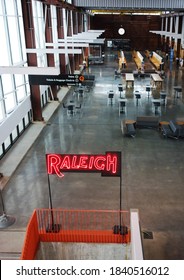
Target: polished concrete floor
{"points": [[152, 166]]}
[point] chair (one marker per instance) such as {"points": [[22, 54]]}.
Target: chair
{"points": [[71, 110], [120, 88], [148, 90], [110, 98], [116, 74], [137, 96], [122, 106], [78, 108], [177, 91], [163, 98], [157, 105], [80, 92]]}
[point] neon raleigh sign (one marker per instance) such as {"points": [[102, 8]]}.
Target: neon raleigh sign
{"points": [[108, 164]]}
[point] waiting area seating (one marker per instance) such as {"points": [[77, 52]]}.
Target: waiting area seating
{"points": [[172, 130], [147, 122], [122, 60], [129, 127], [155, 59], [138, 58]]}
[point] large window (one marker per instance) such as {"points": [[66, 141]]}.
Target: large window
{"points": [[54, 31], [20, 83], [39, 31], [13, 88]]}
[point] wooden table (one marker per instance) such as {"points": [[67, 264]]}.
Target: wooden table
{"points": [[156, 80], [129, 79]]}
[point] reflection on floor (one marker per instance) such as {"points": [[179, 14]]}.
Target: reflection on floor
{"points": [[152, 167]]}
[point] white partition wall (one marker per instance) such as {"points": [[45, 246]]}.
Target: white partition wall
{"points": [[136, 241]]}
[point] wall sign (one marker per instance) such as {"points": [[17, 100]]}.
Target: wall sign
{"points": [[108, 164], [60, 80]]}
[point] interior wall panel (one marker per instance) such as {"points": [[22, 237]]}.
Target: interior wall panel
{"points": [[136, 29]]}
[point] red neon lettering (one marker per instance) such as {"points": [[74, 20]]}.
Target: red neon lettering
{"points": [[82, 162], [91, 161], [98, 164], [111, 163], [53, 165], [65, 163], [74, 165]]}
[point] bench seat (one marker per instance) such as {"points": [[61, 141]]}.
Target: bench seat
{"points": [[147, 122], [155, 62], [181, 133], [171, 130], [166, 130]]}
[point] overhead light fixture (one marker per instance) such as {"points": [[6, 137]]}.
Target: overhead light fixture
{"points": [[121, 31]]}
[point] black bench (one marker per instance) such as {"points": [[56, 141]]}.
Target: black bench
{"points": [[171, 130], [147, 122], [181, 127]]}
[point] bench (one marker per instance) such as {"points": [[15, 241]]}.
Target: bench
{"points": [[156, 60], [147, 122], [138, 58], [171, 130], [181, 130], [149, 71]]}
